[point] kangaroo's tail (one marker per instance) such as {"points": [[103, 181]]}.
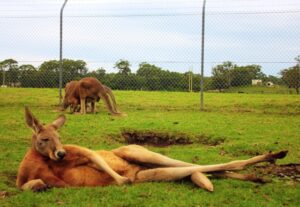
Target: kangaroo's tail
{"points": [[112, 97], [108, 104]]}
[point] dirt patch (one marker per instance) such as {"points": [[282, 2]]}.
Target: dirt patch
{"points": [[289, 171], [155, 138], [165, 139]]}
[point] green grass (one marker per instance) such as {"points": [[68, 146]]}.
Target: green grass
{"points": [[250, 124], [276, 89]]}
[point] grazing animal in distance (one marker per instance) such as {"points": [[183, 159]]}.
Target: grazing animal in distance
{"points": [[89, 90], [48, 163], [72, 98]]}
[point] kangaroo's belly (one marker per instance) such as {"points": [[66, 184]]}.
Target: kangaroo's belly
{"points": [[85, 175]]}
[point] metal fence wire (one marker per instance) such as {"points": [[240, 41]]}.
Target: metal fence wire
{"points": [[250, 46]]}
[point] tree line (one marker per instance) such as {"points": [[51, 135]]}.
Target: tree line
{"points": [[147, 77]]}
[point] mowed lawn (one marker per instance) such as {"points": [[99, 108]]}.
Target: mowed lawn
{"points": [[249, 123]]}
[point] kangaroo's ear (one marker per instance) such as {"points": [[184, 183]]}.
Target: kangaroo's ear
{"points": [[31, 121], [59, 122]]}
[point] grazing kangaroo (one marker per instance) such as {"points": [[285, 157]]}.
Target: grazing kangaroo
{"points": [[72, 98], [87, 87], [92, 88], [50, 164]]}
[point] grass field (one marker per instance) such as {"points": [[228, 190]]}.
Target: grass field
{"points": [[249, 123], [276, 89]]}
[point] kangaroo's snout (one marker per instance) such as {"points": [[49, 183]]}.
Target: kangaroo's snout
{"points": [[60, 154]]}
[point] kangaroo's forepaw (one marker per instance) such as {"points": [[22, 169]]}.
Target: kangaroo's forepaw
{"points": [[123, 180], [40, 188], [35, 185]]}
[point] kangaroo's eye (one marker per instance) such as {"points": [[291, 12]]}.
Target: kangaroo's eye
{"points": [[45, 139]]}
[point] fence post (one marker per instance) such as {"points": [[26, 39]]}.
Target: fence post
{"points": [[60, 51], [202, 58], [189, 74], [3, 78], [190, 79]]}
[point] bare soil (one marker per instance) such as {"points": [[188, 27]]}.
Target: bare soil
{"points": [[157, 138], [288, 171]]}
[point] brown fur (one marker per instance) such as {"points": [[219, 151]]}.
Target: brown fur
{"points": [[42, 167], [89, 90], [76, 169], [72, 98], [53, 164]]}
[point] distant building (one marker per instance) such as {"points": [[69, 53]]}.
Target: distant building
{"points": [[256, 82], [270, 84]]}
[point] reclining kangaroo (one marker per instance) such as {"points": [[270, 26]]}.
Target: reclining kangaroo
{"points": [[48, 163], [89, 89]]}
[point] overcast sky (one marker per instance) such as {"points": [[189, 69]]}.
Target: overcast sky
{"points": [[165, 33]]}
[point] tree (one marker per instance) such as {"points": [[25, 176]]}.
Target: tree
{"points": [[49, 74], [11, 66], [291, 76], [98, 73], [151, 74], [173, 81], [148, 70], [222, 75], [228, 74], [125, 82], [28, 76], [123, 66], [243, 75], [72, 70], [101, 72]]}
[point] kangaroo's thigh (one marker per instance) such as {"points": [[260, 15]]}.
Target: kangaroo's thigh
{"points": [[139, 154]]}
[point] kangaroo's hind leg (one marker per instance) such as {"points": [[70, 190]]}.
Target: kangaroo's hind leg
{"points": [[82, 105], [93, 106], [172, 169], [139, 154], [175, 173]]}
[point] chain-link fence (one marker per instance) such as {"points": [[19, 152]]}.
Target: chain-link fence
{"points": [[250, 47]]}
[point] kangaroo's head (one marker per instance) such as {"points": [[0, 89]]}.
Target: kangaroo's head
{"points": [[70, 91], [46, 138], [66, 103]]}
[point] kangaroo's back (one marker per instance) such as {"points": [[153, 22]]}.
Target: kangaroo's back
{"points": [[90, 87]]}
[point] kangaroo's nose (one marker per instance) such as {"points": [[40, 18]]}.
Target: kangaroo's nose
{"points": [[61, 155]]}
